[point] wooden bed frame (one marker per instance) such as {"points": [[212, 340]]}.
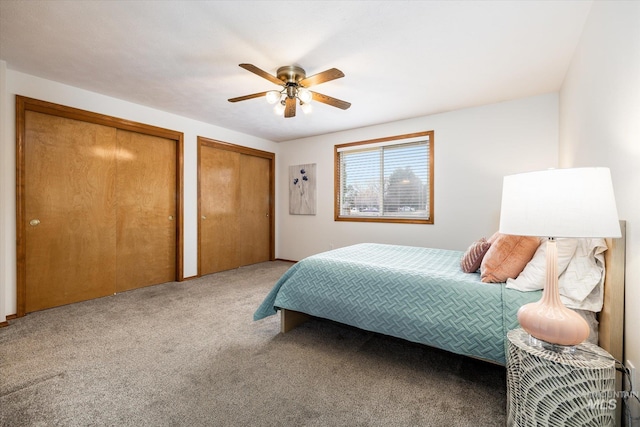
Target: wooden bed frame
{"points": [[611, 318]]}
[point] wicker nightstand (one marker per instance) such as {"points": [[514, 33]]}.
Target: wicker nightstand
{"points": [[558, 389]]}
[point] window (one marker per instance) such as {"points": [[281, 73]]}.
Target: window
{"points": [[385, 180]]}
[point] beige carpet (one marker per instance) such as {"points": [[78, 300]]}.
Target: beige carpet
{"points": [[189, 354]]}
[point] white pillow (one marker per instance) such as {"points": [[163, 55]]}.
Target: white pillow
{"points": [[534, 275], [582, 283]]}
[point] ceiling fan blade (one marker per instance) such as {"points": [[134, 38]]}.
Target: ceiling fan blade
{"points": [[243, 98], [322, 77], [261, 73], [290, 107], [334, 102]]}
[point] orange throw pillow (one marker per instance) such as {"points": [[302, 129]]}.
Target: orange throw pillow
{"points": [[507, 257]]}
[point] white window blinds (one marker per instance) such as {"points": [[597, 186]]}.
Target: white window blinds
{"points": [[388, 179]]}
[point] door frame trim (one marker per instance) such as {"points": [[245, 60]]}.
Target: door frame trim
{"points": [[222, 145], [24, 104]]}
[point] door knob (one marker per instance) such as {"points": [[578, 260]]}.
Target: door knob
{"points": [[34, 222], [204, 217], [170, 217]]}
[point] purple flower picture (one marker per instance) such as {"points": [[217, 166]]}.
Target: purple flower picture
{"points": [[302, 189]]}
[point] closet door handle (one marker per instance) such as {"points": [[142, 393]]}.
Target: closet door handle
{"points": [[204, 217], [170, 217], [34, 222]]}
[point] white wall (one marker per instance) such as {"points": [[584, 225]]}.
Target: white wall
{"points": [[474, 149], [13, 82], [600, 124]]}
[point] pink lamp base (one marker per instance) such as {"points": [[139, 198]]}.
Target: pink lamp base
{"points": [[553, 324], [548, 319]]}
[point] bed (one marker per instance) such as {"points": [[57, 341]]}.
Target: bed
{"points": [[422, 295]]}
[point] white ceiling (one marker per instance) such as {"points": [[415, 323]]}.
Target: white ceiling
{"points": [[401, 59]]}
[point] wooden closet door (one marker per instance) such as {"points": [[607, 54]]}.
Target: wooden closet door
{"points": [[146, 210], [254, 223], [69, 199], [220, 204]]}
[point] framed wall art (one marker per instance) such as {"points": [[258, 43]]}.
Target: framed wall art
{"points": [[302, 189]]}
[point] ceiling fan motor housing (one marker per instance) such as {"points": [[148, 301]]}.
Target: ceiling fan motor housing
{"points": [[291, 74]]}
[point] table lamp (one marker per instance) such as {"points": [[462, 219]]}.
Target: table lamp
{"points": [[554, 203]]}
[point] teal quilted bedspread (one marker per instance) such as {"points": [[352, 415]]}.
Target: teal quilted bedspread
{"points": [[413, 293]]}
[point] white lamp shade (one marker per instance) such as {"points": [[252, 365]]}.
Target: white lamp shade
{"points": [[273, 96], [305, 95], [575, 202], [279, 108], [306, 108]]}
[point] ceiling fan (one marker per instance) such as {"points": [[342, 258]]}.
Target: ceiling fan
{"points": [[295, 82]]}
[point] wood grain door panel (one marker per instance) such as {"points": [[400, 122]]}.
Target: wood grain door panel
{"points": [[98, 205], [254, 230], [219, 208], [70, 212], [235, 197], [146, 210]]}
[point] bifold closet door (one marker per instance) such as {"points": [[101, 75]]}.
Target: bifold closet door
{"points": [[146, 210], [70, 210]]}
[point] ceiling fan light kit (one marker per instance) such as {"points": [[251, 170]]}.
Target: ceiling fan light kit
{"points": [[304, 95], [294, 90], [273, 96], [306, 108]]}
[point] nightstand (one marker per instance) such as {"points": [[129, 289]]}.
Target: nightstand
{"points": [[548, 388]]}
